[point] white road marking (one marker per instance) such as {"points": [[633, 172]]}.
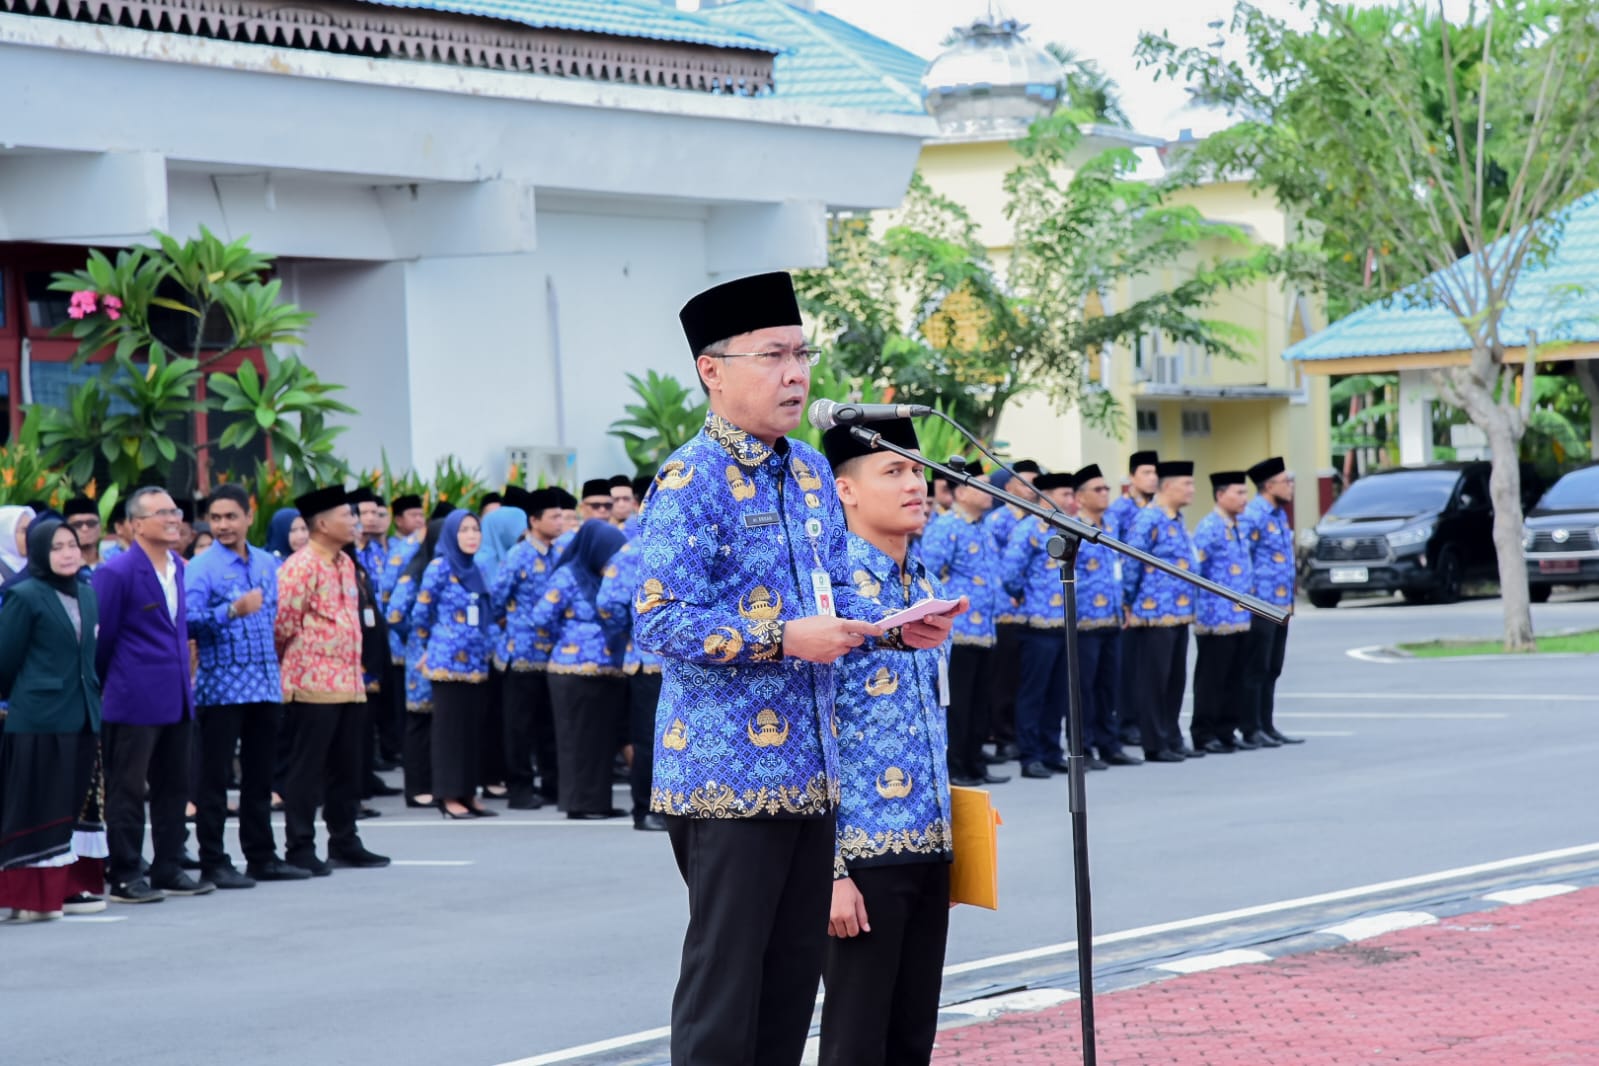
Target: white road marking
{"points": [[596, 1048], [1026, 999], [1322, 733], [93, 919], [1378, 924], [498, 823], [1201, 963], [432, 862], [1529, 894], [1465, 697], [1400, 716]]}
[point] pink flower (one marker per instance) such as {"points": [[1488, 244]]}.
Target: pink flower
{"points": [[82, 303], [113, 308]]}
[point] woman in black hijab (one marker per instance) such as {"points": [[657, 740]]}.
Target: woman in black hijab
{"points": [[418, 753], [52, 836]]}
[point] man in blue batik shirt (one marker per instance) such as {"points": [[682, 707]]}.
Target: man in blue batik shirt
{"points": [[232, 598], [744, 592], [890, 916], [1004, 666], [959, 551], [1159, 608], [1099, 626], [1221, 627], [1270, 536]]}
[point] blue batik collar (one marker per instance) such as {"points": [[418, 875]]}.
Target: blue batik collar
{"points": [[747, 450]]}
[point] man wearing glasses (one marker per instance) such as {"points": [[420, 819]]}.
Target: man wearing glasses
{"points": [[83, 518], [143, 658], [745, 592], [596, 500]]}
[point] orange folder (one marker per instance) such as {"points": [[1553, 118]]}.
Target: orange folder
{"points": [[974, 878]]}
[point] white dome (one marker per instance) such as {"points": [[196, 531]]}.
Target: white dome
{"points": [[992, 80]]}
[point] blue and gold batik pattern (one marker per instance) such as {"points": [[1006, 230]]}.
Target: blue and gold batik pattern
{"points": [[1120, 514], [1001, 522], [400, 552], [413, 642], [615, 601], [1154, 597], [960, 552], [519, 584], [733, 529], [1224, 559], [1033, 578], [1271, 550], [456, 649], [579, 642], [1099, 586], [893, 742], [237, 661]]}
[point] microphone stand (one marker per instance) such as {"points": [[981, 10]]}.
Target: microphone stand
{"points": [[1069, 534]]}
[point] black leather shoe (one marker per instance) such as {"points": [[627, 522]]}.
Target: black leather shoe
{"points": [[276, 870], [650, 823], [1133, 737], [1262, 740], [228, 877], [181, 884], [1164, 756], [377, 787], [1216, 747], [357, 857], [1245, 744], [189, 862], [311, 864], [1059, 766], [1096, 764], [1037, 771], [1007, 752], [593, 816], [1281, 739], [1190, 753], [1122, 758], [524, 801], [368, 812], [965, 781], [995, 760], [995, 779], [136, 892]]}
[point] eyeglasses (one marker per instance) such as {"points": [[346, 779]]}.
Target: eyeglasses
{"points": [[777, 357], [605, 506], [86, 523], [165, 512]]}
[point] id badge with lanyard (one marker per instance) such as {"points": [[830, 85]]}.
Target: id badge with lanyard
{"points": [[821, 581]]}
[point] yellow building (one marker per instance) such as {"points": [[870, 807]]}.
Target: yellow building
{"points": [[1222, 414]]}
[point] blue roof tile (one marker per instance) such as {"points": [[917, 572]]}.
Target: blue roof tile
{"points": [[1555, 298], [829, 61], [615, 18]]}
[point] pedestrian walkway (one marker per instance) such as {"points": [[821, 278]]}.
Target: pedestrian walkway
{"points": [[1515, 985]]}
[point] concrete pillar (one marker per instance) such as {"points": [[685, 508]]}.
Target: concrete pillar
{"points": [[1415, 417]]}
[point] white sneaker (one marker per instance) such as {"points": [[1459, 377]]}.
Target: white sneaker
{"points": [[84, 903], [20, 915]]}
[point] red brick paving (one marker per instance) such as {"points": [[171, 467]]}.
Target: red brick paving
{"points": [[1515, 986]]}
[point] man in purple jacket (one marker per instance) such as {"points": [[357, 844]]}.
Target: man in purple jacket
{"points": [[143, 657]]}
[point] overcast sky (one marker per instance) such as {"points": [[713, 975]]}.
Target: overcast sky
{"points": [[1104, 31]]}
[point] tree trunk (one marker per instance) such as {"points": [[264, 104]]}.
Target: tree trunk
{"points": [[1504, 486], [1586, 371]]}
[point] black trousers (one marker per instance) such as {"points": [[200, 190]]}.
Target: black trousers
{"points": [[1004, 668], [524, 693], [882, 987], [390, 714], [325, 771], [759, 892], [589, 712], [252, 729], [1041, 696], [1127, 694], [1268, 644], [457, 737], [969, 696], [136, 755], [1159, 661], [643, 693], [418, 753], [1099, 676], [492, 768], [1218, 682]]}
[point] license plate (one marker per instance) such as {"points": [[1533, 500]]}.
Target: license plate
{"points": [[1348, 575], [1559, 566]]}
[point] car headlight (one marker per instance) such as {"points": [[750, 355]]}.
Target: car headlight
{"points": [[1408, 538], [1527, 537], [1308, 539]]}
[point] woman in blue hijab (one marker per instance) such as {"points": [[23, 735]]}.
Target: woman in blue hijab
{"points": [[503, 528], [286, 533], [453, 611], [587, 689]]}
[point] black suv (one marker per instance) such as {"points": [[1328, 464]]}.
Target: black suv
{"points": [[1422, 530], [1562, 534]]}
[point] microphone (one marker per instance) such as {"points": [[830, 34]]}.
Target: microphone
{"points": [[825, 414]]}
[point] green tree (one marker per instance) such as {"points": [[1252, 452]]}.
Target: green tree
{"points": [[1087, 89], [1445, 153], [923, 309], [131, 421]]}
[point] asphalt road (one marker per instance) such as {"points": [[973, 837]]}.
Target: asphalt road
{"points": [[498, 940]]}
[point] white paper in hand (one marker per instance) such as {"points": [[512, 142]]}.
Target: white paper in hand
{"points": [[917, 611]]}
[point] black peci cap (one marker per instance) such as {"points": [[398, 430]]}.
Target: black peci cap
{"points": [[1267, 469], [408, 502], [1174, 468], [742, 305], [840, 445], [598, 486], [1226, 478], [1085, 475], [319, 500], [1142, 459], [1046, 482]]}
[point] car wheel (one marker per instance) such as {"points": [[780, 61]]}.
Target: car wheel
{"points": [[1447, 571], [1325, 598], [1540, 593]]}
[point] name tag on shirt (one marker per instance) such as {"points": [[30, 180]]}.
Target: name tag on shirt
{"points": [[764, 518], [1117, 569], [943, 680], [822, 586], [369, 618], [471, 615]]}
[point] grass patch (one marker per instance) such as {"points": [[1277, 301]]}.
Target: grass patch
{"points": [[1583, 643]]}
